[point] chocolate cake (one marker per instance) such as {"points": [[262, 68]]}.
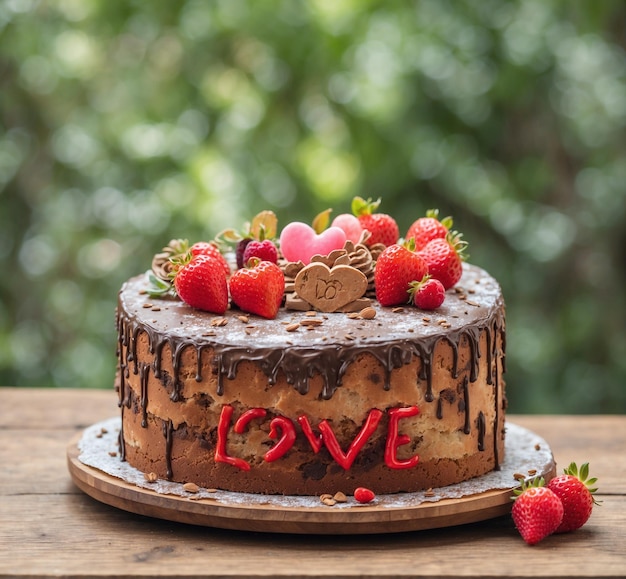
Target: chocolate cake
{"points": [[310, 402]]}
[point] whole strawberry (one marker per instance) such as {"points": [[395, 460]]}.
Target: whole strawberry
{"points": [[396, 268], [258, 288], [428, 293], [445, 259], [575, 490], [210, 249], [200, 281], [537, 511], [427, 228], [264, 250], [382, 227]]}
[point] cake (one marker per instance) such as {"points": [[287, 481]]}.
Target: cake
{"points": [[394, 399]]}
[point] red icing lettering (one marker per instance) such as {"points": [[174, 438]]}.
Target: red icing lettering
{"points": [[394, 440], [222, 434], [346, 459], [247, 416], [283, 430], [286, 441], [314, 439]]}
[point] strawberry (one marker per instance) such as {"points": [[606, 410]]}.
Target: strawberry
{"points": [[200, 281], [576, 493], [364, 495], [537, 511], [265, 250], [258, 288], [382, 227], [427, 228], [396, 267], [207, 248], [263, 226], [427, 294], [445, 259]]}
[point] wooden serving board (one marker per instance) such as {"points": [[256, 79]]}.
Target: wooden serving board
{"points": [[272, 516]]}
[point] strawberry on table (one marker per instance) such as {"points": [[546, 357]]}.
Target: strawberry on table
{"points": [[575, 490], [428, 293], [427, 228], [258, 288], [537, 511], [396, 268], [200, 281], [383, 227], [445, 258]]}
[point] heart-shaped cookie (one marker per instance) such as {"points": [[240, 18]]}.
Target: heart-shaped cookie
{"points": [[329, 289]]}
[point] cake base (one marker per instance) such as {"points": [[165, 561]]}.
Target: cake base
{"points": [[96, 469]]}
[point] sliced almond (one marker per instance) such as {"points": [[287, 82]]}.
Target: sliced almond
{"points": [[368, 313]]}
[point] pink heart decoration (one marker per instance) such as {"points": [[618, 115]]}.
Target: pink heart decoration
{"points": [[299, 242]]}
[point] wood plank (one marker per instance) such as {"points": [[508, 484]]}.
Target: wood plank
{"points": [[52, 408], [33, 462], [73, 535]]}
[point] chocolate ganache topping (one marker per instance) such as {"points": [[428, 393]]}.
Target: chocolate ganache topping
{"points": [[323, 344]]}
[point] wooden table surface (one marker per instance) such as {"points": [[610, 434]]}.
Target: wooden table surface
{"points": [[49, 528]]}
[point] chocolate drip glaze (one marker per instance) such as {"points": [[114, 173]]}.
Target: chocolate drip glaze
{"points": [[393, 338]]}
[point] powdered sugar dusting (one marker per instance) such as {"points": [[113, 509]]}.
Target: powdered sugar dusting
{"points": [[526, 453]]}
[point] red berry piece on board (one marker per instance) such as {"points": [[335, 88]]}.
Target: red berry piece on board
{"points": [[575, 489], [396, 268], [427, 294], [258, 288], [382, 227], [427, 228], [201, 283], [537, 511], [364, 495]]}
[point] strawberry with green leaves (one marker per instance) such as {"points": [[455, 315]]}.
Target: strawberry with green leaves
{"points": [[537, 511], [383, 227], [200, 281], [396, 268], [428, 293], [258, 288], [575, 489], [445, 257], [427, 228]]}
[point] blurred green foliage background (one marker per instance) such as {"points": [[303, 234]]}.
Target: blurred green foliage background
{"points": [[124, 124]]}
